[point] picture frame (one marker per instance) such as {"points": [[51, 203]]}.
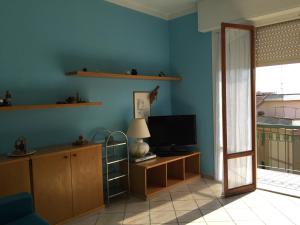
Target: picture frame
{"points": [[141, 104]]}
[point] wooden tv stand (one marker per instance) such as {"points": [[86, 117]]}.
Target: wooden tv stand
{"points": [[150, 177]]}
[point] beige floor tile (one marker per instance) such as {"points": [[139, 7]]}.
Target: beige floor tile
{"points": [[163, 217], [110, 219], [193, 216], [219, 215], [256, 202], [137, 218], [178, 196], [114, 208], [133, 199], [220, 223], [235, 204], [85, 220], [180, 188], [185, 205], [200, 223], [164, 223], [200, 188], [137, 206], [199, 195], [163, 196], [271, 215], [242, 214], [292, 214], [161, 206], [208, 204], [252, 222]]}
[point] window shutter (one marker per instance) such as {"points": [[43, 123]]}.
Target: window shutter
{"points": [[278, 44]]}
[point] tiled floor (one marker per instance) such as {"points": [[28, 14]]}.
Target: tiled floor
{"points": [[199, 203], [280, 182]]}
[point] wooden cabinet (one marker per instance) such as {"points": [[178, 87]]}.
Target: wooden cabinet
{"points": [[52, 186], [14, 176], [87, 187], [67, 182], [150, 177]]}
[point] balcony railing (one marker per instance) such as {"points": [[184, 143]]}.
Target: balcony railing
{"points": [[278, 148]]}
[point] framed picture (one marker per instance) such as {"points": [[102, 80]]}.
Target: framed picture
{"points": [[141, 104]]}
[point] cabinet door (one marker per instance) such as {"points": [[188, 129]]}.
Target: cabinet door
{"points": [[52, 187], [14, 177], [87, 179]]}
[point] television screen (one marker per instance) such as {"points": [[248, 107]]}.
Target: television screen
{"points": [[172, 130]]}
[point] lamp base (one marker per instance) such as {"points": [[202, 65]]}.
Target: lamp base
{"points": [[139, 148]]}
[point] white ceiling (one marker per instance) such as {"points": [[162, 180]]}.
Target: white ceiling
{"points": [[166, 9]]}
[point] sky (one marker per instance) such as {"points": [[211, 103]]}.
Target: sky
{"points": [[281, 79]]}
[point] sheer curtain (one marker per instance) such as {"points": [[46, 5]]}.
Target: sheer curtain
{"points": [[238, 97], [217, 98], [238, 109]]}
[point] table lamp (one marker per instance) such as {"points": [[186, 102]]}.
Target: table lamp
{"points": [[138, 129]]}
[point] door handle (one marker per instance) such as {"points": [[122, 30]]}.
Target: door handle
{"points": [[74, 155], [65, 157]]}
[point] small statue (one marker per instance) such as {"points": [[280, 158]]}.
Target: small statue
{"points": [[80, 141], [7, 98], [134, 72], [153, 94], [20, 146], [161, 74]]}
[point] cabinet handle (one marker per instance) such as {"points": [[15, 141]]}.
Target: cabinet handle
{"points": [[65, 157], [74, 155]]}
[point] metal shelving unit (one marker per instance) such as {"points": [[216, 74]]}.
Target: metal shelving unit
{"points": [[117, 164]]}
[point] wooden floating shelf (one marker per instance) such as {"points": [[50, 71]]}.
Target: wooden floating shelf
{"points": [[121, 76], [49, 106]]}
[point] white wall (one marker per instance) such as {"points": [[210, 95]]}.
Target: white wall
{"points": [[211, 13]]}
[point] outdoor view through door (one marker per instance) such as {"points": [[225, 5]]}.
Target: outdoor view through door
{"points": [[278, 128], [238, 108]]}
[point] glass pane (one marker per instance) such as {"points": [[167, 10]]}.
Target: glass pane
{"points": [[239, 172], [238, 90]]}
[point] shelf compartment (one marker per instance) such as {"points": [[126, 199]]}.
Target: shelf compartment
{"points": [[175, 172], [192, 166], [48, 106], [156, 178], [121, 76]]}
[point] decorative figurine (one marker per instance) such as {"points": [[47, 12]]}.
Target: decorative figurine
{"points": [[134, 72], [153, 94], [8, 98], [161, 74], [80, 141], [72, 100], [84, 69], [20, 146]]}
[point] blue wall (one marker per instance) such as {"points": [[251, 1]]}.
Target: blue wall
{"points": [[40, 40], [191, 58]]}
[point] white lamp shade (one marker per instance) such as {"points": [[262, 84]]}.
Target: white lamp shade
{"points": [[138, 129]]}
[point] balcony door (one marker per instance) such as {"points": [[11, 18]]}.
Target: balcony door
{"points": [[238, 108]]}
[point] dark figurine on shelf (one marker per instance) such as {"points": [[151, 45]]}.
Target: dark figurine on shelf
{"points": [[134, 72], [80, 141], [153, 94], [72, 100], [84, 69], [161, 74], [7, 100], [20, 146]]}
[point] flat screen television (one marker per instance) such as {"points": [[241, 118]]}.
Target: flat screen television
{"points": [[167, 131]]}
